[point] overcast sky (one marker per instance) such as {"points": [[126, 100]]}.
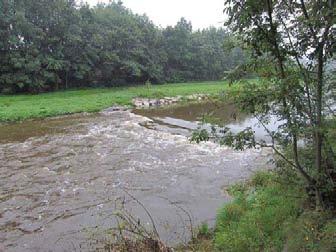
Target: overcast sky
{"points": [[202, 13]]}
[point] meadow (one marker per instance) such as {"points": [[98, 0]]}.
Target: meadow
{"points": [[27, 106]]}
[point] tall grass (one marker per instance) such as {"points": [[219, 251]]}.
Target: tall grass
{"points": [[268, 214]]}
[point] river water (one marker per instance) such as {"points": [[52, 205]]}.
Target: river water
{"points": [[60, 177]]}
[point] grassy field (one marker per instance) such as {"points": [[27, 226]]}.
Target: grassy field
{"points": [[21, 107]]}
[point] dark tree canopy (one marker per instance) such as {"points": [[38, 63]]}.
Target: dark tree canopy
{"points": [[55, 44]]}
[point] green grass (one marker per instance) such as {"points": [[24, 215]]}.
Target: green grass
{"points": [[21, 107], [255, 220], [269, 214]]}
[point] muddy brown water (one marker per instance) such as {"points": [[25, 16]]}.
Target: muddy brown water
{"points": [[60, 177]]}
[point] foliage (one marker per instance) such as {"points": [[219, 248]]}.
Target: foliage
{"points": [[200, 135], [312, 231], [52, 45], [255, 220], [292, 50], [268, 214]]}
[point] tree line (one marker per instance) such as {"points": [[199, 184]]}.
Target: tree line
{"points": [[49, 45]]}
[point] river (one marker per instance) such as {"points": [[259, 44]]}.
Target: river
{"points": [[60, 177]]}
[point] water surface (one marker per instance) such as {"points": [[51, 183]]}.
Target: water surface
{"points": [[203, 115], [60, 178]]}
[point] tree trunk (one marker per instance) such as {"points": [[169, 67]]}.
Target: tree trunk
{"points": [[66, 79], [318, 129]]}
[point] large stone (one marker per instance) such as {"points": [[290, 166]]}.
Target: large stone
{"points": [[146, 102]]}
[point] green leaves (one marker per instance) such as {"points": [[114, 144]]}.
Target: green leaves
{"points": [[200, 135], [291, 44], [58, 45], [240, 141]]}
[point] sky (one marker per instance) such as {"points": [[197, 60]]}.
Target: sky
{"points": [[202, 13]]}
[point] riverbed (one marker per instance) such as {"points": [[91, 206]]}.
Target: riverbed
{"points": [[60, 177]]}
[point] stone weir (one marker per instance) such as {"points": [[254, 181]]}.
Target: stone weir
{"points": [[157, 102]]}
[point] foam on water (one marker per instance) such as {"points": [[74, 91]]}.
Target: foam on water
{"points": [[57, 184]]}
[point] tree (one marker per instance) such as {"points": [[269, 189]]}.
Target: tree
{"points": [[177, 41], [33, 47], [296, 39], [47, 45]]}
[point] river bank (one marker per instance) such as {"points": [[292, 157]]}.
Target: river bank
{"points": [[270, 212], [22, 107]]}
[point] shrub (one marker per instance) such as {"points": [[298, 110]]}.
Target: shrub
{"points": [[200, 135]]}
